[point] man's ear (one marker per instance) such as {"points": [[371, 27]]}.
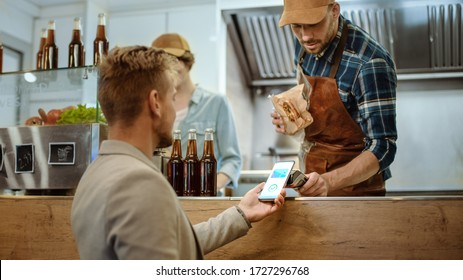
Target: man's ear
{"points": [[336, 10], [154, 102]]}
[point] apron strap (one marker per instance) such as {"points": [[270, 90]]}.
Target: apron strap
{"points": [[307, 90], [338, 52], [300, 57], [302, 79]]}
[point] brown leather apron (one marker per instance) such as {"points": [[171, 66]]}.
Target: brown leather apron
{"points": [[334, 138]]}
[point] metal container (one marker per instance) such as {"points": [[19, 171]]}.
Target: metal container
{"points": [[47, 157]]}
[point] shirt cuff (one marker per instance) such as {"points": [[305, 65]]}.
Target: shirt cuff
{"points": [[243, 215]]}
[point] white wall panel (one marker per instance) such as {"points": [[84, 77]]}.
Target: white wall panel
{"points": [[429, 148], [135, 29], [16, 19], [198, 25]]}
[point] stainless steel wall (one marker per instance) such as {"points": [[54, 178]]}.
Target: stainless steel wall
{"points": [[430, 144]]}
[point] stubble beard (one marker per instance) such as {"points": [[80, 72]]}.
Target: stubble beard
{"points": [[165, 141], [324, 43], [164, 133]]}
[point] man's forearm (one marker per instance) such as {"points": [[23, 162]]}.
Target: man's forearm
{"points": [[358, 170]]}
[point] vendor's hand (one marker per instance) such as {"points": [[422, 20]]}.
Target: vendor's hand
{"points": [[278, 122], [254, 209], [316, 185]]}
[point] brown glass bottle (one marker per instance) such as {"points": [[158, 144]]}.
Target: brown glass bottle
{"points": [[76, 47], [208, 166], [50, 50], [175, 173], [1, 56], [43, 40], [101, 43], [192, 167]]}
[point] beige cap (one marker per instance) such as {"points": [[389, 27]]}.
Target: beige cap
{"points": [[172, 43], [304, 11]]}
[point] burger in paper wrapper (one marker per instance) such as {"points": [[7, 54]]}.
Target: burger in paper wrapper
{"points": [[293, 109]]}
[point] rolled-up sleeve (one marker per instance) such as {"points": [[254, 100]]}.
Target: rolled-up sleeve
{"points": [[376, 85], [227, 143]]}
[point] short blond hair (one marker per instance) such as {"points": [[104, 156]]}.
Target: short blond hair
{"points": [[127, 75]]}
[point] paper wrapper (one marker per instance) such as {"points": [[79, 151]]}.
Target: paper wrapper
{"points": [[293, 109]]}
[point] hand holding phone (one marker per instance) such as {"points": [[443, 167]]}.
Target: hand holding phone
{"points": [[276, 181]]}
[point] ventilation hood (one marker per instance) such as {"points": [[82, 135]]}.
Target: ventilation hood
{"points": [[421, 37]]}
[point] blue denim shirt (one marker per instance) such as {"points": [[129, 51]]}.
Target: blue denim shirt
{"points": [[210, 110]]}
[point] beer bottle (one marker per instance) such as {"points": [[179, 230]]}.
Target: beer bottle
{"points": [[1, 55], [100, 44], [175, 165], [76, 47], [50, 50], [43, 40], [192, 167], [208, 166]]}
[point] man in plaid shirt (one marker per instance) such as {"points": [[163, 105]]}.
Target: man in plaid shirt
{"points": [[349, 147]]}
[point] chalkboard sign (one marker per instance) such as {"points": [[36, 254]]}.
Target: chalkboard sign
{"points": [[25, 157], [62, 153]]}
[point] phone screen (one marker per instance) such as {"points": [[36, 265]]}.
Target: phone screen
{"points": [[276, 180]]}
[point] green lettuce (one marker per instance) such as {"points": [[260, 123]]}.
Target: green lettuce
{"points": [[81, 114]]}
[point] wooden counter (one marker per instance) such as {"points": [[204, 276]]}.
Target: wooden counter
{"points": [[38, 227]]}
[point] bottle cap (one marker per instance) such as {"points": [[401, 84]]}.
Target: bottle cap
{"points": [[77, 24], [51, 24], [102, 19]]}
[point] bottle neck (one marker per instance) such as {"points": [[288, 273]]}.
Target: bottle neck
{"points": [[51, 32], [101, 28], [51, 37], [209, 147], [42, 43], [43, 39], [76, 32], [76, 36], [191, 148], [101, 32], [209, 143], [1, 57], [177, 148]]}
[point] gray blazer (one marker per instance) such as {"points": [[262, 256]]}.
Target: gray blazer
{"points": [[124, 208]]}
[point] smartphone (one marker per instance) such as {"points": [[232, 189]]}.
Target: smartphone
{"points": [[277, 179]]}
